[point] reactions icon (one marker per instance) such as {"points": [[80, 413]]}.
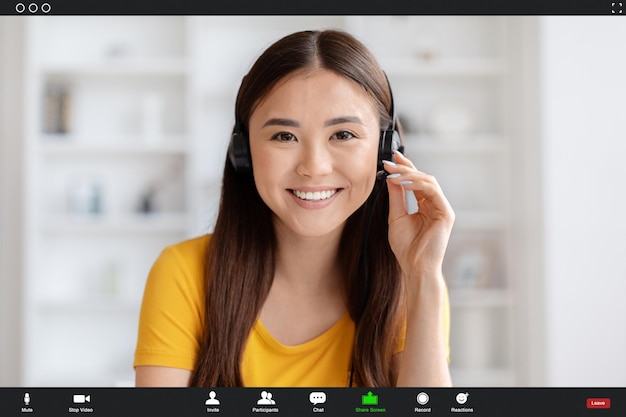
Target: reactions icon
{"points": [[461, 397], [422, 398], [317, 398]]}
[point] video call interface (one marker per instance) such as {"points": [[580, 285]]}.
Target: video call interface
{"points": [[126, 125]]}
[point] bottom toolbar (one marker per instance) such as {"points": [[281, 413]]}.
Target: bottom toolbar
{"points": [[325, 402]]}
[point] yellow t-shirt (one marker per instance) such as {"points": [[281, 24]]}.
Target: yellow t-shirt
{"points": [[170, 328]]}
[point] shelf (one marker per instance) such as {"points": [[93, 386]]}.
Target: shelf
{"points": [[90, 306], [69, 145], [407, 67], [477, 143], [117, 67], [480, 297], [149, 223], [480, 220]]}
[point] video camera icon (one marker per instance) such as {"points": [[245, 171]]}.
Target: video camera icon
{"points": [[81, 398]]}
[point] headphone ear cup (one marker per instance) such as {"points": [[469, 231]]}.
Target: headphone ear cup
{"points": [[389, 142], [396, 143], [239, 153]]}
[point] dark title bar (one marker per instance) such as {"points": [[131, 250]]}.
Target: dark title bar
{"points": [[312, 7], [321, 402]]}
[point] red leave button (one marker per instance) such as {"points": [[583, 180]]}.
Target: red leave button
{"points": [[598, 403]]}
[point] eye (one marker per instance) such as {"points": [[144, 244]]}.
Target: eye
{"points": [[284, 137], [343, 135]]}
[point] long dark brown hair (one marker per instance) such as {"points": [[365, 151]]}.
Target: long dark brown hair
{"points": [[240, 257]]}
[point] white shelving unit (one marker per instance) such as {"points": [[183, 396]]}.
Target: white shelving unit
{"points": [[85, 273], [107, 187]]}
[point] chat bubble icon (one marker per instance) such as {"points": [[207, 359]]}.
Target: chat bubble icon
{"points": [[317, 398]]}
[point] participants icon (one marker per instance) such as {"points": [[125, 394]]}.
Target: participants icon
{"points": [[266, 399]]}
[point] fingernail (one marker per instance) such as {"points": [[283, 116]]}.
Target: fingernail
{"points": [[388, 162], [393, 175], [406, 182], [399, 153]]}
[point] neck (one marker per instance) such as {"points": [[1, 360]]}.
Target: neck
{"points": [[308, 264]]}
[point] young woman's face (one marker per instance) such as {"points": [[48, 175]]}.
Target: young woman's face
{"points": [[314, 144]]}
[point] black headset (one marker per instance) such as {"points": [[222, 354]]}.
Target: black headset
{"points": [[389, 142]]}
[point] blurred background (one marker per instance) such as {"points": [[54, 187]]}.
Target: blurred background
{"points": [[113, 135]]}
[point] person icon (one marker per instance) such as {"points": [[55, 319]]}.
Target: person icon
{"points": [[266, 399], [212, 400]]}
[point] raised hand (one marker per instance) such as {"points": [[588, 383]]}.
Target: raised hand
{"points": [[418, 240]]}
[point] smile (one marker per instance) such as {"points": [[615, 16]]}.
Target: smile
{"points": [[314, 196]]}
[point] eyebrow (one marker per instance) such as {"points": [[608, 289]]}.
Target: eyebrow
{"points": [[343, 119], [331, 122], [281, 122]]}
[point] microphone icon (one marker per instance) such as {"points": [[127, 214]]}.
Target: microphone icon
{"points": [[27, 399]]}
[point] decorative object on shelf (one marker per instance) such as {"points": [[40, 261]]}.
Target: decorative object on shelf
{"points": [[452, 121], [154, 196], [426, 49], [116, 50], [147, 203], [473, 266], [57, 108], [85, 196]]}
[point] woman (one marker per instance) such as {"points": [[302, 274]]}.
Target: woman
{"points": [[316, 274]]}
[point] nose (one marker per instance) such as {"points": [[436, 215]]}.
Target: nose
{"points": [[315, 160]]}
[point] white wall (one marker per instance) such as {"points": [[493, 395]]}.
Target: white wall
{"points": [[10, 198], [583, 62]]}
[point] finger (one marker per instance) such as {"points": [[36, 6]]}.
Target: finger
{"points": [[401, 159], [425, 188], [397, 202], [415, 180], [402, 165]]}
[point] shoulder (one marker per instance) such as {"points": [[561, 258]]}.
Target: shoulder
{"points": [[180, 266], [175, 283], [190, 254], [172, 310], [191, 248]]}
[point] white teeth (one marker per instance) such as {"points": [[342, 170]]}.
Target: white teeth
{"points": [[314, 196]]}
